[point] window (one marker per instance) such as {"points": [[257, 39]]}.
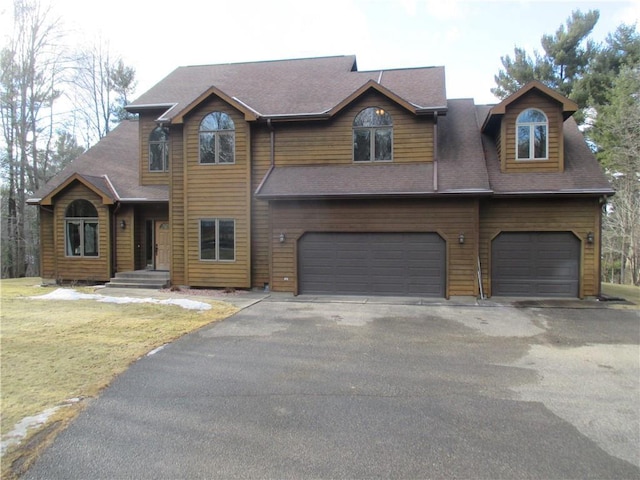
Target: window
{"points": [[159, 150], [217, 239], [532, 142], [217, 139], [81, 229], [372, 135]]}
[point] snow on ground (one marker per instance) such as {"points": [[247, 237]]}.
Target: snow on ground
{"points": [[70, 294]]}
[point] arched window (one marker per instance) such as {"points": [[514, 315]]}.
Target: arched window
{"points": [[532, 140], [217, 139], [159, 150], [81, 229], [372, 135]]}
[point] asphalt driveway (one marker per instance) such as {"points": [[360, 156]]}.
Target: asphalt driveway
{"points": [[304, 389]]}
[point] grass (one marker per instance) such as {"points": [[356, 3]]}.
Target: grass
{"points": [[53, 351], [628, 292]]}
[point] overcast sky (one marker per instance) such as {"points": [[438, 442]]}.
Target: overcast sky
{"points": [[468, 37]]}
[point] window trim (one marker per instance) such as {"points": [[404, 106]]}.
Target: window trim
{"points": [[372, 129], [165, 150], [81, 221], [217, 221], [532, 126], [217, 134]]}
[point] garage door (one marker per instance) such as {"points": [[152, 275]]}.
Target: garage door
{"points": [[535, 264], [372, 263]]}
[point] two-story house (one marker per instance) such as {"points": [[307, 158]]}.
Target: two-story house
{"points": [[309, 176]]}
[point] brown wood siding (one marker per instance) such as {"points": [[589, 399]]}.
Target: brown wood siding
{"points": [[331, 142], [260, 161], [147, 177], [177, 210], [216, 191], [47, 244], [448, 218], [555, 154], [579, 216], [125, 240], [82, 268]]}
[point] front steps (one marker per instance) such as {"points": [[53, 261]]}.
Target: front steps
{"points": [[153, 279]]}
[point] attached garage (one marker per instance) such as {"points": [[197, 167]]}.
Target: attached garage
{"points": [[535, 264], [406, 264]]}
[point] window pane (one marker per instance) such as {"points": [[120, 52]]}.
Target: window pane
{"points": [[156, 161], [226, 147], [208, 239], [73, 239], [531, 115], [207, 148], [540, 141], [361, 145], [91, 239], [159, 135], [372, 117], [227, 240], [523, 142], [81, 208], [383, 144]]}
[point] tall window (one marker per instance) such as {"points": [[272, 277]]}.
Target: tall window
{"points": [[81, 229], [532, 142], [372, 135], [217, 239], [217, 138], [159, 150]]}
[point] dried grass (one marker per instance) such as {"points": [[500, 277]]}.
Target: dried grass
{"points": [[56, 350]]}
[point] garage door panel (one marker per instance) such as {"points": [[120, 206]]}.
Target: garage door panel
{"points": [[372, 263], [545, 264]]}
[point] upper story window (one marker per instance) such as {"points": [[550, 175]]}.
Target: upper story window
{"points": [[217, 139], [372, 136], [159, 150], [81, 229], [532, 140]]}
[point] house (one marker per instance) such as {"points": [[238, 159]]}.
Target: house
{"points": [[309, 176]]}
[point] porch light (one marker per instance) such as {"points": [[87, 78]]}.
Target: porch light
{"points": [[461, 238], [282, 237], [123, 224], [590, 237]]}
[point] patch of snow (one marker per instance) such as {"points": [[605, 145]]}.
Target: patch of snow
{"points": [[15, 436], [156, 350], [70, 294]]}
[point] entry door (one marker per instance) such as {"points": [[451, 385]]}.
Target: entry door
{"points": [[163, 245]]}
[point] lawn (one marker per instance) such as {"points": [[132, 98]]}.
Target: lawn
{"points": [[56, 350], [628, 292]]}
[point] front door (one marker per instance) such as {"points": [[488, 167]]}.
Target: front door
{"points": [[163, 245]]}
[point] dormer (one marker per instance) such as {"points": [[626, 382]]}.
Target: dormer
{"points": [[528, 129]]}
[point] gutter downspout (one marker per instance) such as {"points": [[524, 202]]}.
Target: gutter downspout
{"points": [[435, 151], [272, 164], [114, 240]]}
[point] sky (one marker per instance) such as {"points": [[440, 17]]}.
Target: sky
{"points": [[467, 37]]}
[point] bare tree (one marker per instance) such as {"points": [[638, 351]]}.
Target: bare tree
{"points": [[29, 70]]}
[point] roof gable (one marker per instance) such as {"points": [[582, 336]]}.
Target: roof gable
{"points": [[569, 107], [101, 186]]}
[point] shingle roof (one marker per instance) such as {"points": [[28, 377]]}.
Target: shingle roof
{"points": [[290, 87], [582, 174], [111, 166]]}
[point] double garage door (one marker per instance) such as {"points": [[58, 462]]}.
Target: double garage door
{"points": [[535, 264], [409, 264]]}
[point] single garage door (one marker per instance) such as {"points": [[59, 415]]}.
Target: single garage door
{"points": [[535, 264], [372, 263]]}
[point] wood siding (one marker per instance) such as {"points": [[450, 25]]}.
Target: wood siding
{"points": [[147, 177], [578, 216], [176, 206], [260, 163], [89, 269], [47, 244], [125, 240], [216, 191], [448, 218], [331, 142], [507, 136]]}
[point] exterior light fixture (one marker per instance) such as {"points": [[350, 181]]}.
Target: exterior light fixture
{"points": [[590, 237], [282, 237], [123, 224], [461, 238]]}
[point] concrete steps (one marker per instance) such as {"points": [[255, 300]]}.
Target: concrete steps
{"points": [[154, 279]]}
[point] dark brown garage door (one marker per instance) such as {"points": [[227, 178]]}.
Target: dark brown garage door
{"points": [[372, 263], [535, 264]]}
